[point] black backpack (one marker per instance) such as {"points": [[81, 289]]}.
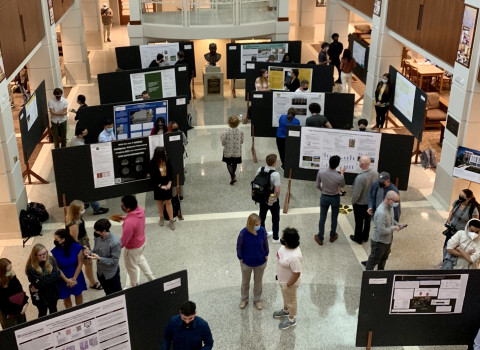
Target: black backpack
{"points": [[176, 208], [261, 186], [39, 210], [29, 224]]}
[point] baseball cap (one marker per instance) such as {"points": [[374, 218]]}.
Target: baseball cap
{"points": [[383, 177]]}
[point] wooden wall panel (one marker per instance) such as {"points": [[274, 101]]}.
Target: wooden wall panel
{"points": [[365, 6], [31, 11], [11, 39], [402, 18]]}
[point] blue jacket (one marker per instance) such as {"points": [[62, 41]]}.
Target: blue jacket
{"points": [[252, 249], [197, 336], [282, 125], [372, 203]]}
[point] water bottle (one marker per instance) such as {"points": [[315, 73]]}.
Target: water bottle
{"points": [[271, 199]]}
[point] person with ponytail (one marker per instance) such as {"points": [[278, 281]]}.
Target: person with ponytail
{"points": [[465, 245], [285, 119]]}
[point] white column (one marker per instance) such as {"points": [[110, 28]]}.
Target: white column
{"points": [[306, 30], [93, 24], [337, 20]]}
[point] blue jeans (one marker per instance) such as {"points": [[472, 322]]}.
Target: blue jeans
{"points": [[275, 210], [95, 206], [325, 203]]}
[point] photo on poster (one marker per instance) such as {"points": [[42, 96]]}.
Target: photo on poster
{"points": [[279, 76], [282, 101], [32, 111], [148, 53], [260, 53], [359, 53], [131, 159], [467, 35], [159, 84], [467, 164], [2, 66], [404, 97]]}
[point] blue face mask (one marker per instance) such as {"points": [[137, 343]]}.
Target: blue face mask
{"points": [[395, 204], [110, 130], [257, 228], [8, 273]]}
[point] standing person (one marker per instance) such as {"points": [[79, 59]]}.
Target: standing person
{"points": [[107, 20], [334, 51], [286, 58], [304, 86], [382, 100], [232, 140], [160, 127], [13, 300], [43, 275], [81, 99], [252, 251], [162, 174], [23, 84], [76, 227], [274, 206], [316, 119], [329, 181], [382, 237], [182, 60], [58, 116], [378, 192], [361, 191], [289, 270], [159, 62], [322, 55], [106, 252], [107, 135], [346, 67], [174, 128], [262, 83], [465, 245], [69, 256], [187, 331], [133, 240], [293, 84], [285, 119]]}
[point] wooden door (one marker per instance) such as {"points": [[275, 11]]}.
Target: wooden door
{"points": [[403, 18], [124, 9], [11, 37], [31, 12]]}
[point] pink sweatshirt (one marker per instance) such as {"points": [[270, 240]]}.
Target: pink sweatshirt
{"points": [[133, 235]]}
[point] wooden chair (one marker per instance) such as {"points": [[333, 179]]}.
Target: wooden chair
{"points": [[413, 74], [436, 110]]}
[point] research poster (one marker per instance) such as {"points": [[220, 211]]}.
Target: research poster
{"points": [[32, 111], [467, 164], [282, 101], [422, 295], [278, 76], [155, 141], [317, 145], [404, 97], [102, 164], [261, 52], [130, 159], [100, 326], [148, 53], [137, 120], [359, 54], [159, 84]]}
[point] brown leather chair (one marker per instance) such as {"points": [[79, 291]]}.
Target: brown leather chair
{"points": [[436, 110]]}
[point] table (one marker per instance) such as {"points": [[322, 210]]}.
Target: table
{"points": [[427, 70]]}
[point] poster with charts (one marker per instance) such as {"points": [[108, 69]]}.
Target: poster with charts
{"points": [[32, 111], [159, 84], [148, 53], [422, 295], [282, 101], [404, 97], [317, 145], [261, 52], [102, 164], [103, 325]]}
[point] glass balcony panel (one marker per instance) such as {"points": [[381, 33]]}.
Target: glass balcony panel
{"points": [[254, 11]]}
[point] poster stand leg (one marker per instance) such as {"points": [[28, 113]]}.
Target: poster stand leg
{"points": [[387, 119], [254, 153], [287, 197], [29, 172], [234, 94], [369, 340], [194, 95], [247, 115], [46, 134], [64, 202], [417, 152], [359, 99], [179, 215]]}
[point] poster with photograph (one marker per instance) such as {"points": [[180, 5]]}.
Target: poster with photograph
{"points": [[2, 66], [131, 159], [32, 111], [148, 53], [159, 84], [317, 145], [278, 76], [321, 3], [423, 295], [358, 53], [404, 97], [282, 101], [467, 35], [50, 12], [102, 164], [377, 7], [467, 164], [261, 52]]}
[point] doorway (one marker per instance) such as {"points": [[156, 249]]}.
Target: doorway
{"points": [[124, 9]]}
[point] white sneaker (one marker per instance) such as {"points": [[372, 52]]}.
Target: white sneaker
{"points": [[276, 241], [269, 233]]}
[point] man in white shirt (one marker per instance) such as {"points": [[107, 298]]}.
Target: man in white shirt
{"points": [[107, 135], [58, 117], [304, 86]]}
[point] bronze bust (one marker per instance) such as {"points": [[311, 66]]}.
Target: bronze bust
{"points": [[212, 57]]}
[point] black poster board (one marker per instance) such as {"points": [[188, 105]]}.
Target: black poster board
{"points": [[411, 330], [74, 172], [359, 71], [31, 138], [149, 308], [338, 110], [128, 57], [116, 86], [395, 157], [234, 56], [420, 103], [93, 117], [322, 76]]}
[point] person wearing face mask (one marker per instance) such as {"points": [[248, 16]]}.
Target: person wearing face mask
{"points": [[13, 300], [58, 116], [106, 252], [173, 127], [107, 135], [378, 192], [252, 251], [362, 125], [76, 228], [382, 100], [160, 127], [69, 256], [465, 245], [382, 236], [43, 275]]}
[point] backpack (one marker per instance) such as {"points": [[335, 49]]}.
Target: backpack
{"points": [[189, 121], [176, 208], [261, 186], [428, 159], [29, 224], [38, 209]]}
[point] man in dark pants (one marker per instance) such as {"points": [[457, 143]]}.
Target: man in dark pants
{"points": [[328, 181], [334, 51], [58, 116], [275, 206], [361, 191], [106, 252], [183, 60]]}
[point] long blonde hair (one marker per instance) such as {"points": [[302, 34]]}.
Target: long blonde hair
{"points": [[33, 262], [4, 262], [251, 221], [74, 209]]}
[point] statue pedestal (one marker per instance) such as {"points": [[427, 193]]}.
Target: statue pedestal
{"points": [[213, 83]]}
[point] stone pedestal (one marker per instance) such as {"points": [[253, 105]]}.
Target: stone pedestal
{"points": [[213, 83]]}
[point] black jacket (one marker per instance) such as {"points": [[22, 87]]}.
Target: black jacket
{"points": [[47, 284], [14, 286]]}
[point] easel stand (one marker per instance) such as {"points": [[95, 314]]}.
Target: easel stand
{"points": [[234, 94], [254, 153], [29, 172], [361, 96], [417, 151], [369, 340], [387, 119], [287, 197], [247, 115], [179, 215]]}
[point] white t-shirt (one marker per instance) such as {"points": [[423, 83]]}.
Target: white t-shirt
{"points": [[57, 107], [289, 262]]}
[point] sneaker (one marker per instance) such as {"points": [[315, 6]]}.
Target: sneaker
{"points": [[277, 241], [269, 233], [258, 305], [287, 324], [161, 222], [171, 225], [100, 211], [243, 304], [280, 314]]}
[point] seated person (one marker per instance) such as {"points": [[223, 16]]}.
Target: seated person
{"points": [[107, 135], [304, 86]]}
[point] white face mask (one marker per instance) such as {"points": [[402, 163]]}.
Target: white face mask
{"points": [[82, 211], [395, 204], [472, 235], [384, 81]]}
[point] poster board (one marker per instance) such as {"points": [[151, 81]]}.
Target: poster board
{"points": [[282, 101], [467, 35], [238, 55], [2, 66], [158, 84], [416, 329], [467, 164], [150, 303], [360, 52], [33, 120]]}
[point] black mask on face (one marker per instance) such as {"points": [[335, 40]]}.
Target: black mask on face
{"points": [[57, 244], [174, 130], [461, 199], [283, 241], [58, 97], [382, 185], [96, 234], [362, 129]]}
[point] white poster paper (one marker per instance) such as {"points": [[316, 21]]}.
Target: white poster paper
{"points": [[359, 54], [283, 100], [102, 164], [317, 145], [261, 52], [169, 86], [404, 98], [148, 53], [154, 141], [32, 111], [159, 84], [100, 326]]}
